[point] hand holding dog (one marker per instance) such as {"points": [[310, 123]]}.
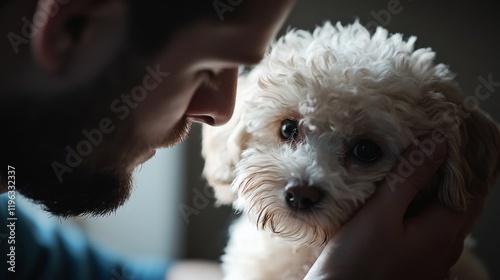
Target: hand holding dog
{"points": [[380, 243]]}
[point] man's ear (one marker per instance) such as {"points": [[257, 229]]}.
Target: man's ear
{"points": [[473, 138], [63, 29]]}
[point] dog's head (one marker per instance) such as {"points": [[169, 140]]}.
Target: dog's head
{"points": [[323, 118]]}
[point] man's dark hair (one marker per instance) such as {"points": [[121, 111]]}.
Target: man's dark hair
{"points": [[153, 22]]}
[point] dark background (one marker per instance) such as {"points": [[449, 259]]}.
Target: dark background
{"points": [[465, 36]]}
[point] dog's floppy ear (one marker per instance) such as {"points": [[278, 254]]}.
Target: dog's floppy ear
{"points": [[473, 138], [221, 148]]}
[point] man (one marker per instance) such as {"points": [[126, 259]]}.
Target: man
{"points": [[90, 89]]}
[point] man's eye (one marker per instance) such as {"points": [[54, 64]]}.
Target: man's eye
{"points": [[289, 130], [366, 150]]}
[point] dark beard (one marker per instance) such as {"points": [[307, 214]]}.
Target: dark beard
{"points": [[35, 138], [94, 185], [80, 194], [37, 130]]}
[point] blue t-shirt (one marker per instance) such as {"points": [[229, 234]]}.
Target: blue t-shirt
{"points": [[33, 250]]}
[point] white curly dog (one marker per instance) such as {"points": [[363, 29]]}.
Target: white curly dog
{"points": [[317, 124]]}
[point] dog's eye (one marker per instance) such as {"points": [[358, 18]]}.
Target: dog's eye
{"points": [[289, 130], [366, 150]]}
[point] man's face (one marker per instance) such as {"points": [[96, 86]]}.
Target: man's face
{"points": [[75, 151]]}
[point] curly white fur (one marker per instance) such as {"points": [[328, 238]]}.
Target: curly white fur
{"points": [[342, 84]]}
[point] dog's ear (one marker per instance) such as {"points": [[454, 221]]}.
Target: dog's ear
{"points": [[473, 138], [221, 148]]}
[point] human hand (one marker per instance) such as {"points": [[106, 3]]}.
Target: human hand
{"points": [[380, 243]]}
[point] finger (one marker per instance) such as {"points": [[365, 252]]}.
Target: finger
{"points": [[455, 252], [437, 226], [474, 211], [441, 222], [411, 173]]}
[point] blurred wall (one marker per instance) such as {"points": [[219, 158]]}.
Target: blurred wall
{"points": [[464, 34]]}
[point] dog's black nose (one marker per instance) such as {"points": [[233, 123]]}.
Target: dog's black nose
{"points": [[302, 197]]}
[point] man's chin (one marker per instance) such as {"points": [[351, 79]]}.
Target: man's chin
{"points": [[91, 194]]}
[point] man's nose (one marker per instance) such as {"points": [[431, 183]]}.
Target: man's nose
{"points": [[213, 102]]}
